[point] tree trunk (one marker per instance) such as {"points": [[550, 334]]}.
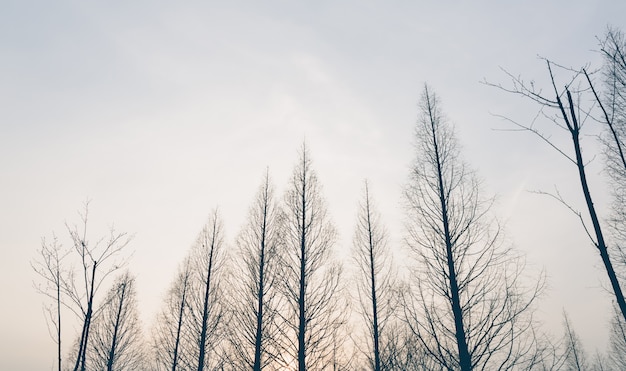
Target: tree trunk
{"points": [[373, 284], [111, 359], [180, 323], [301, 301], [82, 349], [58, 274], [464, 357], [574, 129], [259, 323], [205, 312]]}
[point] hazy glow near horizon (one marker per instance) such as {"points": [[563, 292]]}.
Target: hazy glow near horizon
{"points": [[160, 112]]}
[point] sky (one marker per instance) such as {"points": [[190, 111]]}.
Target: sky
{"points": [[159, 112]]}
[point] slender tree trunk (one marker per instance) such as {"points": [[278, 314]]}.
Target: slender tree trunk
{"points": [[89, 315], [301, 298], [80, 345], [58, 274], [464, 357], [205, 312], [112, 354], [373, 283], [84, 338], [574, 129], [259, 319], [180, 323]]}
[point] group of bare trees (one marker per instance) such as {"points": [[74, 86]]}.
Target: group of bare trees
{"points": [[279, 299], [273, 303]]}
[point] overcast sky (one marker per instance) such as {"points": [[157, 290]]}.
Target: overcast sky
{"points": [[159, 112]]}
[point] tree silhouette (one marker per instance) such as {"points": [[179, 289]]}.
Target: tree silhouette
{"points": [[311, 281], [207, 309], [168, 336], [375, 282], [256, 278], [468, 306], [50, 268], [613, 107], [117, 337], [575, 357], [569, 116]]}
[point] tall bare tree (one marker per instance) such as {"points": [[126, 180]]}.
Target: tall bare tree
{"points": [[468, 308], [206, 303], [97, 261], [617, 342], [168, 335], [311, 280], [189, 332], [50, 268], [569, 115], [613, 108], [575, 357], [117, 337], [376, 288], [76, 288], [255, 301]]}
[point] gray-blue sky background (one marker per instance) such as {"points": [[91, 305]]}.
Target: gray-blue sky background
{"points": [[160, 111]]}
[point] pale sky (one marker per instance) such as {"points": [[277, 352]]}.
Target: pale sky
{"points": [[158, 112]]}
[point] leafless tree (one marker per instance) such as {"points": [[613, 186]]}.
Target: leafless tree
{"points": [[311, 280], [376, 287], [50, 268], [613, 108], [189, 332], [167, 337], [117, 337], [76, 289], [575, 357], [617, 342], [206, 304], [255, 299], [469, 306], [570, 116], [97, 261]]}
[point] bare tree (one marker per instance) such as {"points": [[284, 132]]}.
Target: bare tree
{"points": [[575, 357], [613, 108], [311, 280], [206, 303], [97, 261], [117, 337], [616, 352], [49, 267], [469, 307], [255, 300], [167, 341], [375, 284], [570, 116], [189, 332], [76, 289]]}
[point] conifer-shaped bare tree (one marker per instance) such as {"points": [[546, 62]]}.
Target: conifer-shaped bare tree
{"points": [[467, 306], [206, 313], [168, 337], [117, 337], [255, 281], [375, 281], [311, 284]]}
